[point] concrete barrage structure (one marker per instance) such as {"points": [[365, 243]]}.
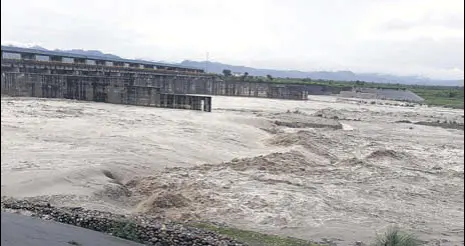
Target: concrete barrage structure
{"points": [[99, 89], [383, 94], [74, 70]]}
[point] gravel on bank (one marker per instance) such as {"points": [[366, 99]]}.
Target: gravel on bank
{"points": [[138, 228]]}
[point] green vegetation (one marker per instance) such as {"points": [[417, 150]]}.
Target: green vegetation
{"points": [[253, 238], [451, 97], [445, 96], [227, 72], [395, 237], [126, 230]]}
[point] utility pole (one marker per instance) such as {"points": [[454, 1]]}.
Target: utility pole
{"points": [[206, 63]]}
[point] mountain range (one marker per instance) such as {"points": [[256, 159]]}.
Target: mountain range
{"points": [[216, 67], [80, 52]]}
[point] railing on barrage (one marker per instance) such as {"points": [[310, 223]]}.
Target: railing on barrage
{"points": [[90, 66]]}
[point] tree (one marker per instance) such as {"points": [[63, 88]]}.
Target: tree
{"points": [[359, 83], [245, 76], [227, 72], [269, 77], [452, 93]]}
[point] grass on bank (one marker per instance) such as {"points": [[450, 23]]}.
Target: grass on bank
{"points": [[445, 97], [396, 237]]}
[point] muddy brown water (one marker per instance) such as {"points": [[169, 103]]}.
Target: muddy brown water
{"points": [[235, 166]]}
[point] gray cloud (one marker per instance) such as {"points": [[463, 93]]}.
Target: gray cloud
{"points": [[453, 21], [402, 37]]}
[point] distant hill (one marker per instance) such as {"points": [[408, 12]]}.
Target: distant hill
{"points": [[217, 67], [82, 52]]}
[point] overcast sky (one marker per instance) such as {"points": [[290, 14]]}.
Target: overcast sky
{"points": [[403, 37]]}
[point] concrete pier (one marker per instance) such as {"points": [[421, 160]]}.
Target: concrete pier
{"points": [[99, 89]]}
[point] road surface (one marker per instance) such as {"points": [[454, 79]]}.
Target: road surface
{"points": [[20, 230]]}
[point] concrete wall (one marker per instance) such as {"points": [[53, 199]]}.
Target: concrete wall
{"points": [[97, 88], [168, 82], [8, 55], [384, 94]]}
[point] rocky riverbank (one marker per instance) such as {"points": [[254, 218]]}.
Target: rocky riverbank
{"points": [[136, 228]]}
